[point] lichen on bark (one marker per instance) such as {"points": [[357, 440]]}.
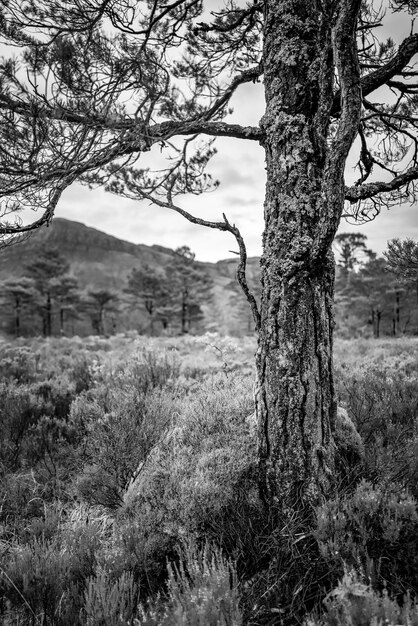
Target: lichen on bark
{"points": [[295, 397]]}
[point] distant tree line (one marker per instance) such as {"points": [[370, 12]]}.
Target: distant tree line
{"points": [[47, 299], [376, 296]]}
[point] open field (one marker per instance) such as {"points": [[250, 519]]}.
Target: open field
{"points": [[129, 489]]}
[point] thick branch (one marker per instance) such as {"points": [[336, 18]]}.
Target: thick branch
{"points": [[346, 60], [156, 132], [369, 190], [369, 83], [167, 130]]}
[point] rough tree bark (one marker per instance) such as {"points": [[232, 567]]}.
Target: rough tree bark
{"points": [[295, 396], [313, 112]]}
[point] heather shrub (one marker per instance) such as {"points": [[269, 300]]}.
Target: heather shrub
{"points": [[203, 474], [384, 407], [202, 590], [44, 576], [142, 371], [355, 603], [35, 432], [22, 499], [108, 602], [18, 363], [33, 580], [20, 408], [375, 528], [114, 452], [122, 427]]}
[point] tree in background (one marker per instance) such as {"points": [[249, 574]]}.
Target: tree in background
{"points": [[19, 293], [97, 305], [148, 286], [64, 291], [371, 288], [351, 252], [48, 268], [96, 86], [188, 286], [402, 258], [371, 296]]}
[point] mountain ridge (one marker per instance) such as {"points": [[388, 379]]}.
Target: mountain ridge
{"points": [[102, 261]]}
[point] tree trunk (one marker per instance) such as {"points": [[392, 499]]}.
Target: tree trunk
{"points": [[296, 402], [378, 318], [101, 321], [398, 312], [374, 323], [184, 311], [62, 320], [17, 316], [48, 326], [295, 398]]}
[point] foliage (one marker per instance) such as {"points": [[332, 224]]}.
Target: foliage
{"points": [[374, 529], [152, 513], [381, 399], [351, 249], [202, 590], [371, 301], [402, 258], [354, 601], [98, 303]]}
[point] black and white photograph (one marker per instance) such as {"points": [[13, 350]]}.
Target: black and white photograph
{"points": [[208, 313]]}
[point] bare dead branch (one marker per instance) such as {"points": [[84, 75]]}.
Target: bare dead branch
{"points": [[225, 226]]}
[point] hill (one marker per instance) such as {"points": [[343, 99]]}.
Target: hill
{"points": [[101, 261]]}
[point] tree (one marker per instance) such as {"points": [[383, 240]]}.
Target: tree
{"points": [[99, 85], [402, 258], [19, 293], [97, 304], [48, 268], [149, 286], [64, 290], [373, 296], [351, 250], [187, 286], [367, 294]]}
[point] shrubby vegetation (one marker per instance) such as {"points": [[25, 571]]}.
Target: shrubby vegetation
{"points": [[129, 489]]}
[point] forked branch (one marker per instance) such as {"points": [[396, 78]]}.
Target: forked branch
{"points": [[225, 226]]}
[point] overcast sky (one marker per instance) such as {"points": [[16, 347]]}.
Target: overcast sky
{"points": [[239, 165]]}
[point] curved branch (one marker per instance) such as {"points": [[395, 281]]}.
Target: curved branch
{"points": [[247, 76], [242, 275], [369, 83], [369, 190], [242, 14], [224, 226], [46, 217]]}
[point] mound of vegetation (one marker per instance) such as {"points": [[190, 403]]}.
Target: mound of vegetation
{"points": [[129, 490]]}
